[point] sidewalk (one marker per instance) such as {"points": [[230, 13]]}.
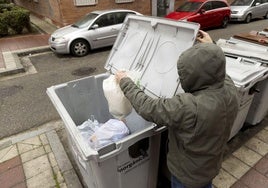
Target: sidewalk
{"points": [[37, 158], [11, 46], [247, 166]]}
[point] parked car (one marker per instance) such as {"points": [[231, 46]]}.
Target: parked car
{"points": [[95, 30], [246, 10], [208, 13]]}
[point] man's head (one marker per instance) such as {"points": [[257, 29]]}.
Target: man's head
{"points": [[201, 66]]}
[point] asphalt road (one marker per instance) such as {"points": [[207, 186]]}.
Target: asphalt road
{"points": [[24, 103]]}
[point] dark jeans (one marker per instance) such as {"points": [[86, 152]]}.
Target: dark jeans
{"points": [[175, 183]]}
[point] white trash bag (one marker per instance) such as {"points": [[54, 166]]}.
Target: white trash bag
{"points": [[119, 105], [110, 132], [88, 128]]}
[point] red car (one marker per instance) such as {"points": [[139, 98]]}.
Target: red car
{"points": [[208, 13]]}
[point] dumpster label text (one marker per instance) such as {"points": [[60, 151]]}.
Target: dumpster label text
{"points": [[132, 164]]}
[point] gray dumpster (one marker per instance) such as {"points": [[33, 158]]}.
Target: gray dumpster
{"points": [[243, 49], [151, 47], [245, 73]]}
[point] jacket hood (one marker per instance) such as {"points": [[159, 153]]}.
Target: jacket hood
{"points": [[201, 67]]}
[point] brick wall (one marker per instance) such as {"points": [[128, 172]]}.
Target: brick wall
{"points": [[64, 12], [71, 12], [44, 8]]}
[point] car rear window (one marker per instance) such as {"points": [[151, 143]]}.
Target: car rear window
{"points": [[85, 21], [189, 7], [241, 3], [218, 4], [120, 16]]}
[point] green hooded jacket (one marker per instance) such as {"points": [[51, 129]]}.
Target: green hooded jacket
{"points": [[200, 120]]}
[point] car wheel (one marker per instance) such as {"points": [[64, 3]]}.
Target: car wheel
{"points": [[79, 47], [224, 22], [248, 18]]}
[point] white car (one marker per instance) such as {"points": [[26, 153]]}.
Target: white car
{"points": [[246, 10], [95, 30]]}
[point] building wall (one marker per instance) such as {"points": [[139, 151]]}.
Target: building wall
{"points": [[44, 8], [64, 12]]}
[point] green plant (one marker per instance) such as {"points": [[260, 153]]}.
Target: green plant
{"points": [[13, 18], [4, 1], [18, 19], [3, 27]]}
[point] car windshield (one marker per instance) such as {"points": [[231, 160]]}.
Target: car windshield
{"points": [[241, 3], [85, 21], [189, 7]]}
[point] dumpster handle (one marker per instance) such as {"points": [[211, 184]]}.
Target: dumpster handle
{"points": [[109, 154], [121, 145]]}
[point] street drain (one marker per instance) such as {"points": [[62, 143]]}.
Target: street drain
{"points": [[84, 71], [9, 91]]}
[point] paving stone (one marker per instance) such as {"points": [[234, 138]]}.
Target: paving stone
{"points": [[235, 167], [47, 148], [59, 152], [223, 179], [20, 185], [262, 166], [247, 155], [8, 153], [36, 166], [58, 174], [254, 179], [34, 153], [239, 184], [263, 135], [43, 139], [12, 177], [52, 159], [11, 163], [29, 144], [257, 145], [63, 185], [43, 179]]}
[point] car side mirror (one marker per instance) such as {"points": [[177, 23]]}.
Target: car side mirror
{"points": [[95, 26], [202, 11], [257, 4]]}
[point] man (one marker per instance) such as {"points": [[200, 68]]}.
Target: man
{"points": [[199, 121]]}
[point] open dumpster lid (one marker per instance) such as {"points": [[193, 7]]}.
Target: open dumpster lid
{"points": [[151, 47], [244, 49], [245, 72]]}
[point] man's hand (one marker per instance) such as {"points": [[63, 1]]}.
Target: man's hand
{"points": [[119, 75], [203, 37]]}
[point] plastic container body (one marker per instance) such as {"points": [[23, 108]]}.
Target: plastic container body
{"points": [[237, 48], [245, 73], [259, 108]]}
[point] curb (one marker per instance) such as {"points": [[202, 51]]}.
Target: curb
{"points": [[49, 129], [12, 59]]}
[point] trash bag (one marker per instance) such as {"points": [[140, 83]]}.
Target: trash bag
{"points": [[119, 105], [88, 128], [98, 135], [111, 131]]}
